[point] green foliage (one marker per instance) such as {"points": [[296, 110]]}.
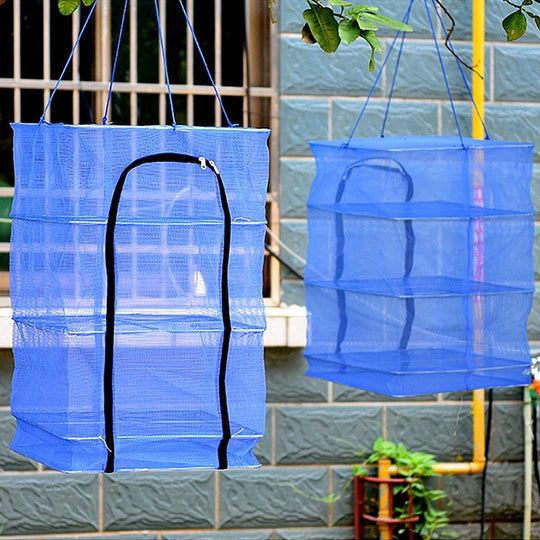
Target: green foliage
{"points": [[67, 7], [415, 467], [323, 27], [515, 24], [350, 22]]}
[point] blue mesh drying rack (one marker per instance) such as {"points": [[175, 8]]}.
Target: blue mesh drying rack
{"points": [[419, 274], [136, 266]]}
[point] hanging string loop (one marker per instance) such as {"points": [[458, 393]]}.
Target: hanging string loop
{"points": [[379, 74], [120, 33], [443, 70], [115, 64], [394, 77], [165, 69], [460, 68], [42, 119], [208, 72]]}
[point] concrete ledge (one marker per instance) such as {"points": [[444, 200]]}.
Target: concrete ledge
{"points": [[286, 327]]}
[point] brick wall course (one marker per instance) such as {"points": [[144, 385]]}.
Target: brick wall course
{"points": [[220, 535], [270, 497], [445, 431], [333, 533], [504, 494], [48, 502], [307, 70], [285, 380], [329, 434], [159, 500], [292, 292], [411, 118], [10, 460], [302, 120], [296, 177], [513, 68], [6, 369], [294, 235], [533, 324]]}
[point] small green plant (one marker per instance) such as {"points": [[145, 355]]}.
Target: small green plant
{"points": [[415, 467], [350, 22]]}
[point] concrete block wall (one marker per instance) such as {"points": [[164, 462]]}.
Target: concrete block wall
{"points": [[314, 429]]}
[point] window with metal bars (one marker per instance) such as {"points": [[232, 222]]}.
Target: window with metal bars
{"points": [[236, 39]]}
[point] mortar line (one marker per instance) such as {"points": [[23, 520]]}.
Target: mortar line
{"points": [[100, 503], [492, 72], [330, 491], [273, 433], [385, 422], [329, 126], [216, 500]]}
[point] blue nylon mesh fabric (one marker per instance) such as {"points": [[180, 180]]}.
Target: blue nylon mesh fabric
{"points": [[419, 274], [169, 243]]}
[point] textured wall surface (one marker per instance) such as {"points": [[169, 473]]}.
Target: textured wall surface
{"points": [[314, 428]]}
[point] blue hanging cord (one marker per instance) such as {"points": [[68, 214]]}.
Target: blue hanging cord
{"points": [[467, 86], [195, 40], [394, 78], [443, 72], [42, 119], [385, 61], [104, 119], [163, 54]]}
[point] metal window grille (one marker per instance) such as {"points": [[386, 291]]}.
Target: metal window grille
{"points": [[236, 41]]}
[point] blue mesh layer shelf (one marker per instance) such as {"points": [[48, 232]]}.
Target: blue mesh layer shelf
{"points": [[138, 327], [419, 276]]}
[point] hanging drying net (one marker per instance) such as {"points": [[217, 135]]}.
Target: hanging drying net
{"points": [[412, 285], [419, 274], [136, 264]]}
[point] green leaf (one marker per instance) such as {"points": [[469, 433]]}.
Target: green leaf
{"points": [[365, 25], [373, 40], [88, 2], [387, 21], [537, 21], [341, 3], [307, 36], [348, 30], [355, 10], [67, 7], [323, 26], [514, 25], [359, 471], [527, 3]]}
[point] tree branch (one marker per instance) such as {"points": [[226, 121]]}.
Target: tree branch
{"points": [[449, 33]]}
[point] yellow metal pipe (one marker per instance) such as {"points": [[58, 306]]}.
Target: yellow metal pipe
{"points": [[384, 499], [478, 44]]}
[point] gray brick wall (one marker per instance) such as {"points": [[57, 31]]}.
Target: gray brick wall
{"points": [[313, 430]]}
